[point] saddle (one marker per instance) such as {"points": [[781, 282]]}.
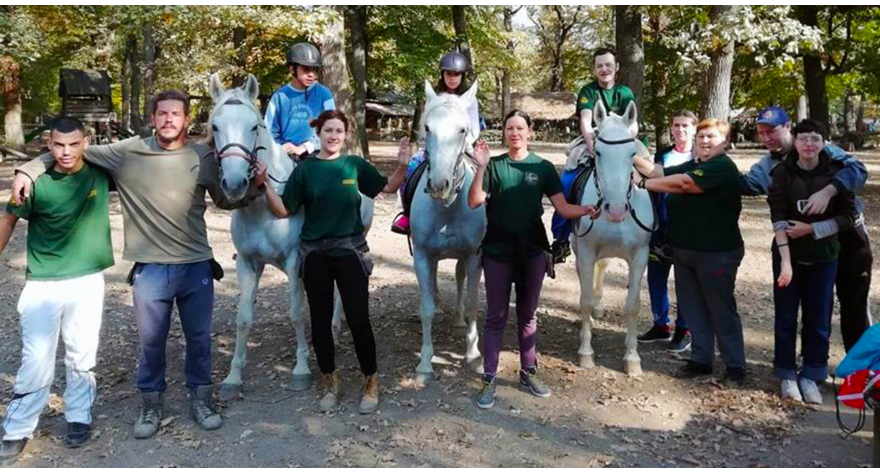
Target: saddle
{"points": [[584, 171], [412, 184]]}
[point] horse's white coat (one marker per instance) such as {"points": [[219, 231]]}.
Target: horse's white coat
{"points": [[608, 239]]}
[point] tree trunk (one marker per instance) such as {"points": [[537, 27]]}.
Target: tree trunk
{"points": [[239, 34], [125, 82], [459, 23], [335, 75], [10, 89], [556, 70], [659, 80], [814, 71], [356, 24], [149, 74], [630, 50], [860, 114], [137, 80], [417, 115], [802, 108], [716, 91], [849, 111], [506, 98]]}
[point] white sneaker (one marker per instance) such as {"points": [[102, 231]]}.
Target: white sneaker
{"points": [[790, 390], [810, 392]]}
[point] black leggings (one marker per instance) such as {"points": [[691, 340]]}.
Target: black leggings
{"points": [[854, 284], [319, 274]]}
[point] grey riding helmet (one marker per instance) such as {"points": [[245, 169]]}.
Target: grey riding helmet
{"points": [[305, 54], [454, 62]]}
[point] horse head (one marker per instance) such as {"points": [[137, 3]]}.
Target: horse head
{"points": [[615, 148], [448, 133], [236, 126]]}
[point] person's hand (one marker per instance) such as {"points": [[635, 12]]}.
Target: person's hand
{"points": [[403, 152], [481, 154], [260, 174], [21, 188], [591, 210], [293, 150], [797, 229], [588, 142], [785, 273], [818, 202]]}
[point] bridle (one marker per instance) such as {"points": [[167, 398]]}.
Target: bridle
{"points": [[458, 171], [629, 192]]}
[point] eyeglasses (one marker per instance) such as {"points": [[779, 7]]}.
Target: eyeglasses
{"points": [[807, 138]]}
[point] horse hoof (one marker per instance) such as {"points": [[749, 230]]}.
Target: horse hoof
{"points": [[585, 361], [423, 379], [633, 368], [301, 382], [475, 365], [229, 392]]}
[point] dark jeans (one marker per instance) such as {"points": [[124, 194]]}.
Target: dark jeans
{"points": [[319, 273], [156, 288], [853, 283], [704, 285], [658, 281], [811, 289], [500, 275]]}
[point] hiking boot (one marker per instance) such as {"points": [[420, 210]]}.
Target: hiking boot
{"points": [[789, 390], [330, 387], [147, 423], [10, 450], [486, 395], [680, 342], [810, 391], [400, 225], [693, 369], [560, 249], [78, 434], [658, 332], [202, 409], [529, 379], [370, 398], [735, 375]]}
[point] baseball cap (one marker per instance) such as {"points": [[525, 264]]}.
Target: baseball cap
{"points": [[773, 116]]}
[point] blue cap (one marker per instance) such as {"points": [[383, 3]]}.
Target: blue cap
{"points": [[773, 116]]}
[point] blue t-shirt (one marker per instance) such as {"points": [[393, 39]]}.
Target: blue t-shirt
{"points": [[291, 110]]}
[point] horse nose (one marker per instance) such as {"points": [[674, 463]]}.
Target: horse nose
{"points": [[607, 206], [616, 213]]}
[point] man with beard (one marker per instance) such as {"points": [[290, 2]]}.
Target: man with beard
{"points": [[162, 182]]}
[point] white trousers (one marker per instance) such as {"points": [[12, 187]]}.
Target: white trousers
{"points": [[73, 307]]}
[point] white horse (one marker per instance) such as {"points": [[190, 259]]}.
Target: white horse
{"points": [[623, 230], [240, 138], [442, 224]]}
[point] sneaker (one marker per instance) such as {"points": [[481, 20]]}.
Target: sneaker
{"points": [[10, 450], [78, 434], [560, 250], [658, 332], [693, 369], [202, 409], [330, 388], [486, 395], [680, 342], [147, 423], [736, 375], [400, 225], [810, 391], [789, 390], [529, 379], [370, 398]]}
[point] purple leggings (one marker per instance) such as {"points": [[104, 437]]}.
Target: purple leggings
{"points": [[499, 276]]}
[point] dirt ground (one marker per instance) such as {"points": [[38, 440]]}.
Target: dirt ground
{"points": [[595, 418]]}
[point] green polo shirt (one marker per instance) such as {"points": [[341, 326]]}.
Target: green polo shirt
{"points": [[616, 99]]}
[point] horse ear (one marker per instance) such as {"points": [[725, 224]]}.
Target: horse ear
{"points": [[215, 87], [252, 88], [599, 113], [471, 94], [630, 115], [430, 95]]}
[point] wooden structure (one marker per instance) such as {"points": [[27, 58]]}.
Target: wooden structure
{"points": [[86, 95], [385, 118]]}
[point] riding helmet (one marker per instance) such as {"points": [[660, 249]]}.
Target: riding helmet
{"points": [[305, 54], [454, 62]]}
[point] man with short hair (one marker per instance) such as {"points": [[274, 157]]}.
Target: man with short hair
{"points": [[68, 248], [615, 97], [297, 103], [853, 279], [162, 182]]}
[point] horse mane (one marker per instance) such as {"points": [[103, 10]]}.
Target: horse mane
{"points": [[235, 93]]}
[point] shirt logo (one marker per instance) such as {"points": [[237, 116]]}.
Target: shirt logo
{"points": [[12, 202], [698, 172], [585, 100], [348, 182], [93, 194], [531, 179]]}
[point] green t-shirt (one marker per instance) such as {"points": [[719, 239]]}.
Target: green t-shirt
{"points": [[68, 225], [707, 222], [514, 204], [329, 191], [616, 99]]}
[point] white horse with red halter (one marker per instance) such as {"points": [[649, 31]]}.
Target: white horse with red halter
{"points": [[240, 137], [622, 230]]}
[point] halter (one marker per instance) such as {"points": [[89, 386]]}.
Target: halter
{"points": [[458, 171], [629, 191], [249, 154]]}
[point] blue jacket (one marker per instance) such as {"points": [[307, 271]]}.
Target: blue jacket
{"points": [[851, 178], [291, 110], [864, 355]]}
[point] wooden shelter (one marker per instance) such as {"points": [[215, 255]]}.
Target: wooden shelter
{"points": [[85, 95]]}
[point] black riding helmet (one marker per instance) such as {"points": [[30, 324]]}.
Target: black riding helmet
{"points": [[305, 54], [454, 62]]}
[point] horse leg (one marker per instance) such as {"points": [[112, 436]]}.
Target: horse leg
{"points": [[461, 268], [599, 287], [586, 267], [632, 364], [472, 357], [439, 315], [302, 376], [249, 273], [426, 276]]}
